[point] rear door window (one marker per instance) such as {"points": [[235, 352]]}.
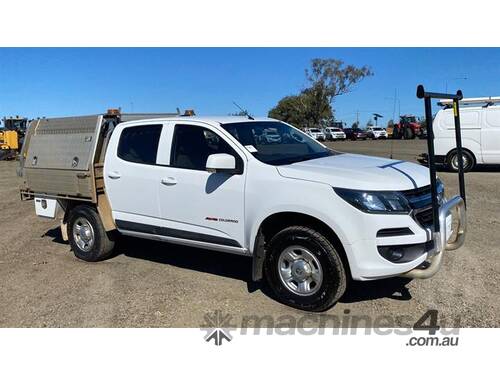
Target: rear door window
{"points": [[139, 144]]}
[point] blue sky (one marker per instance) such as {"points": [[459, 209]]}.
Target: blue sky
{"points": [[71, 81]]}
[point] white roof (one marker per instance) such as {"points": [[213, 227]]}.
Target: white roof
{"points": [[482, 100], [214, 120]]}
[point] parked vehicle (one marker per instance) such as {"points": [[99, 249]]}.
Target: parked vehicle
{"points": [[355, 134], [407, 128], [270, 136], [377, 133], [294, 206], [12, 136], [333, 134], [480, 126], [315, 133]]}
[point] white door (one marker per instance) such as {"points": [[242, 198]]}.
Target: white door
{"points": [[131, 173], [198, 205], [490, 135]]}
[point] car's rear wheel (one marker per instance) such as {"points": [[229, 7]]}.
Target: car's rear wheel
{"points": [[467, 160], [87, 236], [304, 270], [409, 133], [396, 133]]}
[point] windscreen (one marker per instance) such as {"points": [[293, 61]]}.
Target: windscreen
{"points": [[276, 143]]}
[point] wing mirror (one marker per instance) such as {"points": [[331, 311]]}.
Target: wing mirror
{"points": [[221, 163]]}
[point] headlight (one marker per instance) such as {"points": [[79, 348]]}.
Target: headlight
{"points": [[440, 191], [375, 201]]}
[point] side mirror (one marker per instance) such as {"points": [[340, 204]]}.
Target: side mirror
{"points": [[221, 163]]}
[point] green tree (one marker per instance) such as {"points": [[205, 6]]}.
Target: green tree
{"points": [[327, 78], [306, 109], [318, 111], [332, 78], [240, 113], [290, 109]]}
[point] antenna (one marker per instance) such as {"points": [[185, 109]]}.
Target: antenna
{"points": [[244, 111]]}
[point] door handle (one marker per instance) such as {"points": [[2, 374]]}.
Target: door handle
{"points": [[114, 175], [169, 181]]}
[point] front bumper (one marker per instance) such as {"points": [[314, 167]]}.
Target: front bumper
{"points": [[441, 239], [367, 262]]}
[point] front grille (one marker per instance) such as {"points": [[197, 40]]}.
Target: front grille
{"points": [[421, 201], [424, 217], [419, 198]]}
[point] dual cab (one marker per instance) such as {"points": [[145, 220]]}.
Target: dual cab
{"points": [[311, 218]]}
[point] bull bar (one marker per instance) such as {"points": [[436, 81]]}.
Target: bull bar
{"points": [[441, 239]]}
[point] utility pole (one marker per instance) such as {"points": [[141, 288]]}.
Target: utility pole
{"points": [[453, 79], [394, 108]]}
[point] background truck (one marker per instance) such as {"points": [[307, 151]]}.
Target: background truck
{"points": [[292, 205], [11, 136], [408, 128]]}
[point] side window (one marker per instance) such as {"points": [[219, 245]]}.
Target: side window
{"points": [[139, 144], [191, 146]]}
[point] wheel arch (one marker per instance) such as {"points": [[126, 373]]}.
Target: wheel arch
{"points": [[464, 150], [453, 150], [278, 221]]}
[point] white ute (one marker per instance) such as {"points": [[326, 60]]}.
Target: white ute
{"points": [[333, 134], [311, 218], [377, 133], [315, 133]]}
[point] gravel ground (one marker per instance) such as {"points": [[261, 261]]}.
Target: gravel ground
{"points": [[149, 284]]}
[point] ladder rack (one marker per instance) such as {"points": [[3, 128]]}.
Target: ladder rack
{"points": [[485, 101]]}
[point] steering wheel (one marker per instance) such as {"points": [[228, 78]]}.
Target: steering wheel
{"points": [[298, 137]]}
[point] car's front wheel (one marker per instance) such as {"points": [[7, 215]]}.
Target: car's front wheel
{"points": [[304, 270]]}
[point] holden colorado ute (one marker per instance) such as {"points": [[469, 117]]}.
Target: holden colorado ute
{"points": [[309, 217]]}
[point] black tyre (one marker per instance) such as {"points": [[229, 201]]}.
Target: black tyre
{"points": [[468, 161], [396, 133], [304, 270], [409, 134], [87, 237]]}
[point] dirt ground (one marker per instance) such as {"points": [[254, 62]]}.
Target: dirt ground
{"points": [[149, 284]]}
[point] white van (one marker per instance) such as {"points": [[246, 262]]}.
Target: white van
{"points": [[480, 124]]}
